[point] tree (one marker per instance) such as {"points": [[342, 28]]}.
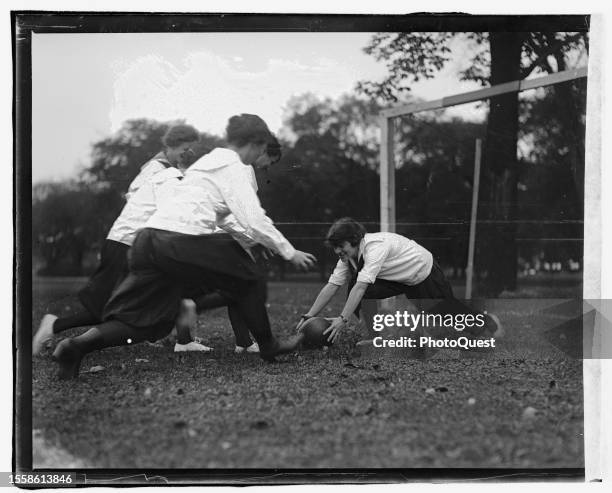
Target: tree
{"points": [[116, 160], [67, 220], [497, 57], [552, 169]]}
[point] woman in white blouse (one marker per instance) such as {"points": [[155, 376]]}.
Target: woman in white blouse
{"points": [[178, 246], [156, 177], [382, 265], [205, 299]]}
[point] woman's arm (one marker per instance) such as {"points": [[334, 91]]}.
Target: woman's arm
{"points": [[321, 301], [244, 204], [350, 306]]}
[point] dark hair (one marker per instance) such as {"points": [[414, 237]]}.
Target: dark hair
{"points": [[179, 134], [345, 229], [246, 129], [274, 149]]}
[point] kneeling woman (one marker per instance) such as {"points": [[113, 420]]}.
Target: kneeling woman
{"points": [[156, 179], [179, 247]]}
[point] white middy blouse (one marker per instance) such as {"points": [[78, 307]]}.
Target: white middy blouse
{"points": [[142, 204], [155, 165], [387, 256], [218, 185]]}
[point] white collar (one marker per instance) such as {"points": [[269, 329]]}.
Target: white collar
{"points": [[219, 157]]}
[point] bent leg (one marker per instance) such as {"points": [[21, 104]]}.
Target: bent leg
{"points": [[93, 296], [79, 319], [208, 301], [250, 311], [239, 326], [50, 325], [221, 264], [439, 299], [150, 294], [70, 352], [112, 270]]}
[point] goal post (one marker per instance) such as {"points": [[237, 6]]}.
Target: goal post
{"points": [[388, 125], [387, 176]]}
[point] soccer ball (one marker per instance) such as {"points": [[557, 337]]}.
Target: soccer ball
{"points": [[313, 332]]}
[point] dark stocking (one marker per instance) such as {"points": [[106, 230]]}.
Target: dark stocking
{"points": [[79, 319]]}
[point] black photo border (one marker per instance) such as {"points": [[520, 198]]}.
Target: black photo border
{"points": [[23, 25]]}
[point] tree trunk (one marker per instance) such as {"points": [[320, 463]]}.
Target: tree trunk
{"points": [[572, 129], [497, 247], [571, 93]]}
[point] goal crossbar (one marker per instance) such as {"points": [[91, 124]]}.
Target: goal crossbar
{"points": [[486, 93]]}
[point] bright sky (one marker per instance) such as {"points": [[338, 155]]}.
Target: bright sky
{"points": [[85, 85]]}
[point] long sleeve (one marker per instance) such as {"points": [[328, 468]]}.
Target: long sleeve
{"points": [[244, 204], [340, 275], [143, 204], [231, 225], [375, 255]]}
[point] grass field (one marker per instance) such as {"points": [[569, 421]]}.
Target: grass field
{"points": [[150, 408]]}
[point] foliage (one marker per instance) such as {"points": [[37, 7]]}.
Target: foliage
{"points": [[413, 56], [552, 169], [67, 220], [554, 126], [116, 160]]}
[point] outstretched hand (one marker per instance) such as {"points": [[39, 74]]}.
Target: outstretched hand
{"points": [[303, 260], [334, 329], [267, 254], [300, 324]]}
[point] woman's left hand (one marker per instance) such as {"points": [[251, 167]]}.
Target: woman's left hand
{"points": [[334, 329]]}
